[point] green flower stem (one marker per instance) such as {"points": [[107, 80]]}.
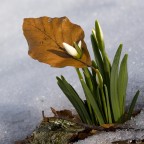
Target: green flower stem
{"points": [[93, 103], [104, 104]]}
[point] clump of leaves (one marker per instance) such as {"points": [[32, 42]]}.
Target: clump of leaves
{"points": [[60, 43]]}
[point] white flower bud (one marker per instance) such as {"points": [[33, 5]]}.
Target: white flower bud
{"points": [[99, 79], [70, 50], [80, 44]]}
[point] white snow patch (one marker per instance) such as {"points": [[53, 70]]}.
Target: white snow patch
{"points": [[27, 87]]}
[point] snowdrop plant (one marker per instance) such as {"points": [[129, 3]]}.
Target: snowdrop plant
{"points": [[60, 43], [104, 84]]}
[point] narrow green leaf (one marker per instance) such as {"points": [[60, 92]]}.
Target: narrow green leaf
{"points": [[98, 99], [134, 100], [70, 97], [92, 102], [74, 98], [99, 78], [102, 61], [90, 85], [78, 49], [104, 104], [94, 64], [79, 73], [122, 83], [88, 78], [94, 78], [94, 73], [101, 46], [97, 55], [108, 105], [114, 84]]}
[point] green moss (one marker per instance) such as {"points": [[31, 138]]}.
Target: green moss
{"points": [[56, 131]]}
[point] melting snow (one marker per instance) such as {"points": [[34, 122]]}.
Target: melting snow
{"points": [[27, 87]]}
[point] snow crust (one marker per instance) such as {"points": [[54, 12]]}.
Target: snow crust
{"points": [[27, 87], [135, 132]]}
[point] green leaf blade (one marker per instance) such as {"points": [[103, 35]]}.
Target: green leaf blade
{"points": [[134, 100], [74, 99], [93, 103], [108, 105], [122, 83], [114, 85], [98, 58], [88, 78]]}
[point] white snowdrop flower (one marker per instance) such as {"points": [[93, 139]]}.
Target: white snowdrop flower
{"points": [[70, 50]]}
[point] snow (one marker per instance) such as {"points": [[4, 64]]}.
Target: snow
{"points": [[27, 87], [136, 132]]}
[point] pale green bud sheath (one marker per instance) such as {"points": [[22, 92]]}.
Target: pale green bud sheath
{"points": [[70, 50], [94, 33], [78, 48], [99, 79]]}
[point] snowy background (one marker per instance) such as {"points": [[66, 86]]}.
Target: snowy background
{"points": [[27, 87]]}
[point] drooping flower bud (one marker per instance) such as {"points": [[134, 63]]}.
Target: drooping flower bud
{"points": [[70, 50]]}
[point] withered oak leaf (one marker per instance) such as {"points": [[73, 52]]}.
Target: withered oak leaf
{"points": [[45, 36]]}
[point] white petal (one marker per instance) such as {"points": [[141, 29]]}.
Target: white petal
{"points": [[70, 50], [79, 44]]}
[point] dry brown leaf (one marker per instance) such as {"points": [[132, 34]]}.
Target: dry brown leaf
{"points": [[108, 125], [66, 114], [45, 36]]}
